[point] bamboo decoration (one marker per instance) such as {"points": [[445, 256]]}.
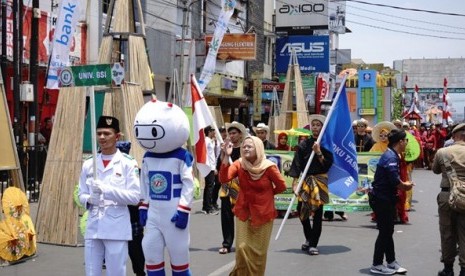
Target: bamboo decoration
{"points": [[124, 103], [57, 215], [139, 68], [293, 83]]}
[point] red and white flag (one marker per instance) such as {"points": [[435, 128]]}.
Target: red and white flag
{"points": [[446, 114], [201, 118]]}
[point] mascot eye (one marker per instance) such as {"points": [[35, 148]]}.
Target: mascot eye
{"points": [[137, 132], [154, 132]]}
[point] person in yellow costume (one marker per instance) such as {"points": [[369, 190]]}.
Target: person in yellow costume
{"points": [[380, 135]]}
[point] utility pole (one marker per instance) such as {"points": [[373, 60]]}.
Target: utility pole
{"points": [[17, 60], [33, 78], [181, 62], [4, 53]]}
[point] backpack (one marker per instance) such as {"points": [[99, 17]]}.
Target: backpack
{"points": [[457, 188]]}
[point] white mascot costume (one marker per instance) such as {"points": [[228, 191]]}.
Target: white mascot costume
{"points": [[167, 186]]}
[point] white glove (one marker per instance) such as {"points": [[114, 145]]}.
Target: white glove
{"points": [[94, 199], [97, 187]]}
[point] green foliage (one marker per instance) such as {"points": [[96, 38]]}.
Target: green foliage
{"points": [[398, 108]]}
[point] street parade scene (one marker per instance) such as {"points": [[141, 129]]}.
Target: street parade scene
{"points": [[231, 137]]}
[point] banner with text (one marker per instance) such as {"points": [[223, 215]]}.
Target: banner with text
{"points": [[312, 53]]}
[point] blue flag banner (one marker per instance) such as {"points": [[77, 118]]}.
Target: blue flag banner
{"points": [[339, 138]]}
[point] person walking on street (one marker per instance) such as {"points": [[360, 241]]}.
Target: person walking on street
{"points": [[451, 223], [259, 180], [229, 191], [108, 227], [207, 207], [316, 179], [383, 198]]}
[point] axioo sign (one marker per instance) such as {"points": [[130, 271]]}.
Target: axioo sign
{"points": [[312, 53]]}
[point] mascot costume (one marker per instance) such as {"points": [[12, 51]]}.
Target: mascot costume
{"points": [[167, 186]]}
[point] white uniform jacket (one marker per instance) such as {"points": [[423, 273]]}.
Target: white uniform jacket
{"points": [[110, 219]]}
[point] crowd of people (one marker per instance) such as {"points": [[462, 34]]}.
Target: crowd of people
{"points": [[246, 182]]}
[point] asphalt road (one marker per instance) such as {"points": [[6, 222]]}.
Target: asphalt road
{"points": [[346, 247]]}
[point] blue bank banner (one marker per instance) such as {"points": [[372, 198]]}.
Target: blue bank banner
{"points": [[312, 53]]}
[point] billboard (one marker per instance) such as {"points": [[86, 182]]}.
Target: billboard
{"points": [[301, 14], [312, 53], [337, 16], [235, 46]]}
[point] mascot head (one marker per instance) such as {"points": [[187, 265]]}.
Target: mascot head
{"points": [[161, 127]]}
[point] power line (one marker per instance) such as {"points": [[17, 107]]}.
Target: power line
{"points": [[408, 19], [406, 9], [404, 32]]}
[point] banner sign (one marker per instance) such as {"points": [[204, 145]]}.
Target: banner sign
{"points": [[227, 10], [356, 202], [301, 14], [68, 15], [236, 46], [312, 53]]}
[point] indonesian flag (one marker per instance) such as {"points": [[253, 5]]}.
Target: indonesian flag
{"points": [[416, 96], [321, 91], [201, 118], [446, 114]]}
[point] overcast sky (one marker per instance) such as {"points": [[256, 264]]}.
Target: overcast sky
{"points": [[376, 44]]}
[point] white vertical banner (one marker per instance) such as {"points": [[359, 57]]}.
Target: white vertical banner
{"points": [[68, 15], [227, 10]]}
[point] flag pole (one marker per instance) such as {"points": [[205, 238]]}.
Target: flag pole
{"points": [[304, 173]]}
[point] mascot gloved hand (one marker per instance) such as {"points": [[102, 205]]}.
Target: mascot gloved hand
{"points": [[143, 215], [180, 219]]}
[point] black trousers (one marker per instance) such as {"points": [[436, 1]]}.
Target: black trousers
{"points": [[384, 246], [137, 255], [227, 222], [208, 191], [216, 191], [312, 232]]}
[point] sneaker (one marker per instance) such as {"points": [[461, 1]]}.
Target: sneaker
{"points": [[446, 273], [305, 246], [313, 251], [382, 269], [396, 266], [205, 212], [213, 212]]}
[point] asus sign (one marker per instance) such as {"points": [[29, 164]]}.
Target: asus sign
{"points": [[312, 53]]}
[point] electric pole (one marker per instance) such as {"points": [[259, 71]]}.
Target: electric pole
{"points": [[33, 78]]}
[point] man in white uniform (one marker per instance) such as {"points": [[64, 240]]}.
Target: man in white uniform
{"points": [[116, 186]]}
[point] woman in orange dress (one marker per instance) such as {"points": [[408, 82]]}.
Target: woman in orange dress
{"points": [[259, 180]]}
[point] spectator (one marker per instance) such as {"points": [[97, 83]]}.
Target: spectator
{"points": [[363, 140], [282, 142], [262, 131]]}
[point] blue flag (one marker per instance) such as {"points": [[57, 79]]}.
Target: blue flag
{"points": [[339, 138]]}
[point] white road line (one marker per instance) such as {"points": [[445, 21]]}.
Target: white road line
{"points": [[224, 270]]}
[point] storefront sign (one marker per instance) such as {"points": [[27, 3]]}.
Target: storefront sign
{"points": [[235, 46], [366, 111]]}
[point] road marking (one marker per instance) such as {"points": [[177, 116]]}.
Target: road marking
{"points": [[223, 270]]}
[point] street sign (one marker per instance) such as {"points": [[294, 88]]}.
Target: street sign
{"points": [[92, 75]]}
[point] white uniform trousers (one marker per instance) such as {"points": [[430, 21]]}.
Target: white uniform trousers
{"points": [[115, 253]]}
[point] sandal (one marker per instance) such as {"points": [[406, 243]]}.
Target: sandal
{"points": [[224, 250], [313, 251]]}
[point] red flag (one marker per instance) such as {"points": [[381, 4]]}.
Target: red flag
{"points": [[201, 118], [321, 92]]}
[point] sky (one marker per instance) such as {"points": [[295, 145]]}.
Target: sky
{"points": [[423, 30]]}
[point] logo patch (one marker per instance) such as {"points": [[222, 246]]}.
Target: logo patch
{"points": [[160, 185]]}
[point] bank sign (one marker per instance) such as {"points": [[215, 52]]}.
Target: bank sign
{"points": [[312, 53]]}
